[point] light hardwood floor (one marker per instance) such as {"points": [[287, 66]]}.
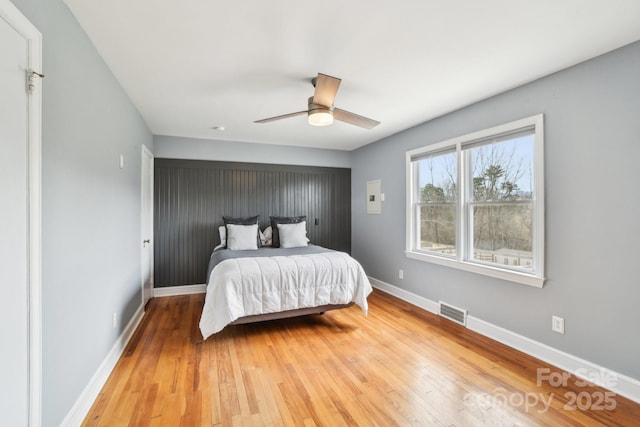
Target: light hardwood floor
{"points": [[399, 366]]}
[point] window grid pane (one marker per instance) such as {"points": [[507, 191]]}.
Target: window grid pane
{"points": [[499, 202], [437, 228], [501, 234], [502, 170], [435, 200]]}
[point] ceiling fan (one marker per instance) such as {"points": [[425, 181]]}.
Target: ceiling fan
{"points": [[321, 110]]}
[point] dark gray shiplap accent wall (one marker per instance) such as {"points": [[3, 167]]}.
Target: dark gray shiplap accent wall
{"points": [[191, 196]]}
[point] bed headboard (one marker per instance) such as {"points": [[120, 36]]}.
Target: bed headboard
{"points": [[191, 196]]}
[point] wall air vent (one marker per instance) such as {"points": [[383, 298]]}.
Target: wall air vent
{"points": [[452, 313]]}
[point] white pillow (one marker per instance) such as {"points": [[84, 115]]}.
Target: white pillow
{"points": [[222, 231], [242, 237], [266, 236], [293, 235]]}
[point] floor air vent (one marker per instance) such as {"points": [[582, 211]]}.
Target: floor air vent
{"points": [[452, 313]]}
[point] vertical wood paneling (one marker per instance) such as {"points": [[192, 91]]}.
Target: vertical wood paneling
{"points": [[192, 196]]}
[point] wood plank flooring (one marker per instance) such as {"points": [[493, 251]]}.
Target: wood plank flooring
{"points": [[400, 366]]}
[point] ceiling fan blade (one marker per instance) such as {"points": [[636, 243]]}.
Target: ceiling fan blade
{"points": [[354, 119], [326, 89], [284, 116]]}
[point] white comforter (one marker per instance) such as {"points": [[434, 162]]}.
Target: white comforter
{"points": [[248, 286]]}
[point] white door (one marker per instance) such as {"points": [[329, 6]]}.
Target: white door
{"points": [[147, 224], [19, 208]]}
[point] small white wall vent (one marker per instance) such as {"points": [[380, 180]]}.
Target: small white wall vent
{"points": [[452, 313]]}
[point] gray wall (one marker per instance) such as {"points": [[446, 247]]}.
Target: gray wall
{"points": [[173, 147], [192, 196], [592, 147], [91, 208]]}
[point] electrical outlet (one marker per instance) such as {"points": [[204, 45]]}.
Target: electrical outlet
{"points": [[557, 324], [114, 319], [401, 274]]}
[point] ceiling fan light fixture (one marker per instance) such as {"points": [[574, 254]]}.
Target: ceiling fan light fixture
{"points": [[320, 109], [322, 117]]}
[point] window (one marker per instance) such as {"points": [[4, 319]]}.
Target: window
{"points": [[476, 202]]}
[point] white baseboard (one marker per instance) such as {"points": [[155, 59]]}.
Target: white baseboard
{"points": [[616, 382], [90, 393], [170, 291], [407, 296], [88, 396]]}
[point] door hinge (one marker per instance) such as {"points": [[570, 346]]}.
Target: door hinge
{"points": [[31, 80]]}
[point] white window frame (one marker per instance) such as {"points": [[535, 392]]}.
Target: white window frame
{"points": [[460, 260]]}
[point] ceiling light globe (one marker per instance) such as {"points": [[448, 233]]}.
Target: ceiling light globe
{"points": [[320, 118]]}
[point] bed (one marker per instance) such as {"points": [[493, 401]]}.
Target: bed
{"points": [[269, 283]]}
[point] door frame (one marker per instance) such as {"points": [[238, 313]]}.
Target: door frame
{"points": [[26, 29], [145, 152]]}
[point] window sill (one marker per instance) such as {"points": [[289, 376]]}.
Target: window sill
{"points": [[485, 270]]}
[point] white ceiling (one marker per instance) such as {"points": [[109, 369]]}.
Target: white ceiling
{"points": [[189, 65]]}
